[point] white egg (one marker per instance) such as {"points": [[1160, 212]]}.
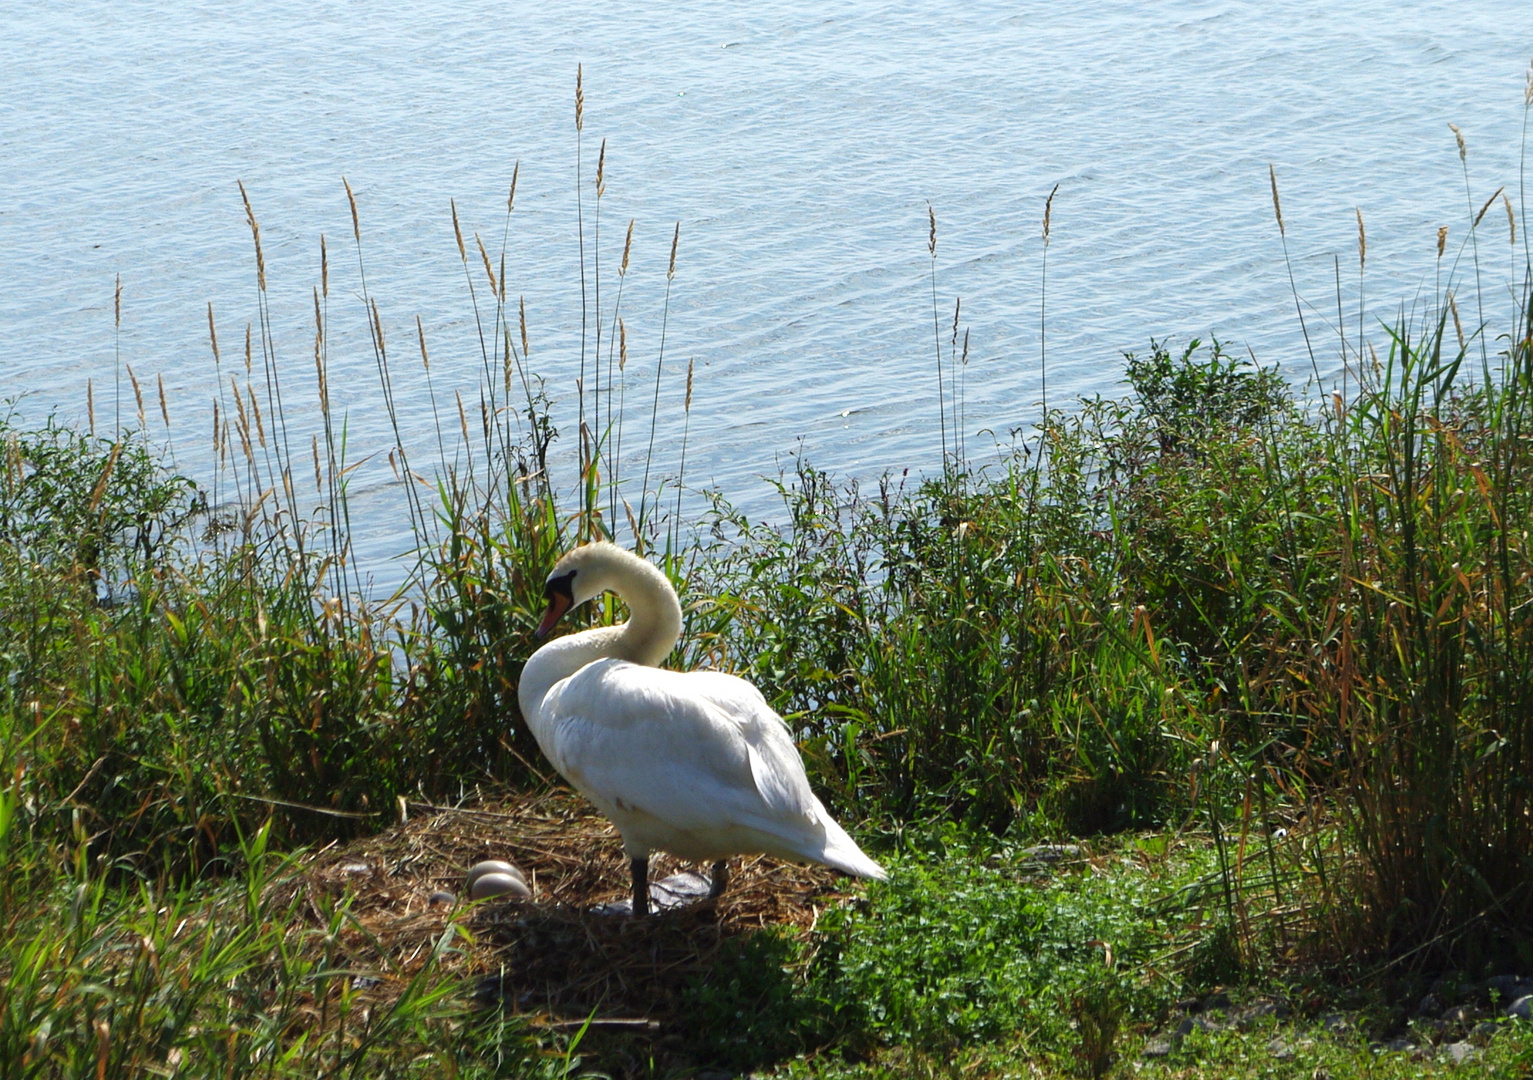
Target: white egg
{"points": [[496, 884], [493, 866]]}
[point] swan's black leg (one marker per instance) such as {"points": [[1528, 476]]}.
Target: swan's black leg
{"points": [[640, 868], [720, 879]]}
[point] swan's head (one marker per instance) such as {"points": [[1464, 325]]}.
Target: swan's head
{"points": [[586, 572]]}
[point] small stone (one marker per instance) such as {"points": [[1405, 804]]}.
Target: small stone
{"points": [[1336, 1023], [1522, 1008], [1051, 853], [1507, 988], [1159, 1048], [1397, 1045], [356, 868], [1280, 1049], [1431, 1005], [1459, 1053], [441, 896], [1259, 1010], [1219, 1000], [1461, 1014]]}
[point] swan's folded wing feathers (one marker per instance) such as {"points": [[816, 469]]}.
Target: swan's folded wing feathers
{"points": [[716, 754]]}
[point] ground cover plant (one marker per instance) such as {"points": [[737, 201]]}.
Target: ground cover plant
{"points": [[1195, 731]]}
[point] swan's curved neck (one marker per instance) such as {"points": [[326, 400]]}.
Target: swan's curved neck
{"points": [[654, 624]]}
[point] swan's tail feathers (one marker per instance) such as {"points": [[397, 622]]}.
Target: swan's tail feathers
{"points": [[842, 853]]}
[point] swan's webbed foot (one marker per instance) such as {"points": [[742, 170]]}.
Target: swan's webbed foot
{"points": [[640, 869], [720, 879]]}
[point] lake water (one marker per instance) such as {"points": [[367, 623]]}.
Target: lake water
{"points": [[796, 144]]}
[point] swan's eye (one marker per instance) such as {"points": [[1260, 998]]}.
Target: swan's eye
{"points": [[563, 585]]}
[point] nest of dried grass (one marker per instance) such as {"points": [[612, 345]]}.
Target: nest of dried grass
{"points": [[552, 958]]}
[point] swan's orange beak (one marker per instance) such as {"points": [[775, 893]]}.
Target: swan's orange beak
{"points": [[558, 604]]}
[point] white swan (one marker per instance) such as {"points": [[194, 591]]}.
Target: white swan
{"points": [[694, 763]]}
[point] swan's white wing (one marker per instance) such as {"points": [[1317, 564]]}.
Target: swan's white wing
{"points": [[700, 751]]}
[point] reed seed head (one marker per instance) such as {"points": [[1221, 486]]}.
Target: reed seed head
{"points": [[1048, 214], [138, 396], [378, 328], [627, 247], [601, 170], [488, 270], [255, 408], [688, 406], [255, 234], [675, 238], [1442, 240], [931, 237], [1277, 204], [356, 220], [213, 335], [1362, 241], [580, 98], [1488, 203], [420, 332], [164, 411], [515, 172], [1511, 218], [1459, 137], [457, 230]]}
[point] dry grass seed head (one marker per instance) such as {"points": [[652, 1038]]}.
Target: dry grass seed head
{"points": [[457, 230], [1458, 327], [164, 410], [356, 220], [688, 406], [90, 405], [1048, 214], [1362, 241], [420, 332], [1488, 203], [1442, 240], [1511, 219], [255, 234], [1277, 204], [1459, 138], [622, 347], [324, 267], [247, 348], [931, 238], [627, 247], [117, 304], [213, 335], [601, 170], [516, 170], [675, 238], [138, 395], [521, 310], [488, 271], [580, 97]]}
